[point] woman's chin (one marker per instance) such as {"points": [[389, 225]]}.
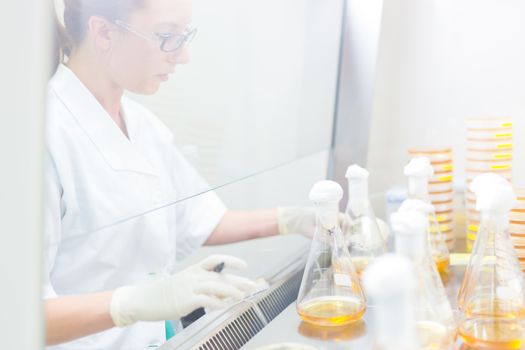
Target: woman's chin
{"points": [[146, 89]]}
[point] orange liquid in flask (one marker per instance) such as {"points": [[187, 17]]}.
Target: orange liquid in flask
{"points": [[331, 311], [494, 325], [443, 266], [494, 334]]}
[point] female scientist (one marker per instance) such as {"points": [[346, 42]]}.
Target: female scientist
{"points": [[108, 158]]}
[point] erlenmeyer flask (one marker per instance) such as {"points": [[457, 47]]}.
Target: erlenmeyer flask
{"points": [[390, 283], [330, 293], [366, 240], [435, 321], [425, 209], [491, 297], [418, 170]]}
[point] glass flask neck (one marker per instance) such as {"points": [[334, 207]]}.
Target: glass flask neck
{"points": [[328, 229], [412, 245], [418, 188], [395, 323], [339, 248], [495, 221], [327, 216], [358, 201], [358, 188]]}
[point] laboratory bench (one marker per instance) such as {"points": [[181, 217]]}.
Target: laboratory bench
{"points": [[270, 316], [289, 328]]}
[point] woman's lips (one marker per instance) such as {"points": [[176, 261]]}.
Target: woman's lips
{"points": [[163, 77]]}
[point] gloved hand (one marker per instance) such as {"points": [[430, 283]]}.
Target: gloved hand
{"points": [[302, 220], [296, 220], [171, 297]]}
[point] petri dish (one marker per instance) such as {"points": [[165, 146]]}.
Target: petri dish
{"points": [[489, 166], [484, 123], [490, 145], [443, 227], [520, 251], [443, 207], [474, 215], [489, 134], [489, 155], [519, 206], [517, 239], [440, 178], [435, 155], [440, 187], [448, 235], [471, 236], [472, 226], [470, 205], [517, 229], [437, 197], [470, 196], [444, 216], [443, 168], [516, 215]]}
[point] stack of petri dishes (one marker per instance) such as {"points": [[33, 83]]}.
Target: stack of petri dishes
{"points": [[517, 226], [489, 149], [440, 188]]}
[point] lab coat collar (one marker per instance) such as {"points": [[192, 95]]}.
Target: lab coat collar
{"points": [[119, 151]]}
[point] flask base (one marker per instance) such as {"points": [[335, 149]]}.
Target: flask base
{"points": [[494, 334], [331, 311]]}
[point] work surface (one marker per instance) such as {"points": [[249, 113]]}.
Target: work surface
{"points": [[288, 328]]}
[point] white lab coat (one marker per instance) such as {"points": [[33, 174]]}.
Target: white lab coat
{"points": [[96, 177]]}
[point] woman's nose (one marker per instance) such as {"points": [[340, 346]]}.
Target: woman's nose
{"points": [[180, 56]]}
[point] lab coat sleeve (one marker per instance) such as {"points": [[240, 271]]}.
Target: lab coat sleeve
{"points": [[53, 212], [197, 216]]}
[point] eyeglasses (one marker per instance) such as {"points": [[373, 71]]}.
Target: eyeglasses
{"points": [[168, 42]]}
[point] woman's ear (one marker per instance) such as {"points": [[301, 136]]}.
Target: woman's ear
{"points": [[101, 32]]}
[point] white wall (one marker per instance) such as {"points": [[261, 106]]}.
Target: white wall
{"points": [[286, 185], [260, 87], [24, 68], [439, 62]]}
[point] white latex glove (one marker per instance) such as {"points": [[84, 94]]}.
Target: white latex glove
{"points": [[296, 220], [171, 297], [302, 220]]}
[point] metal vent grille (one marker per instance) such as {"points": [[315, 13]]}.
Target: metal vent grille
{"points": [[242, 328], [236, 333], [277, 300], [232, 328]]}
